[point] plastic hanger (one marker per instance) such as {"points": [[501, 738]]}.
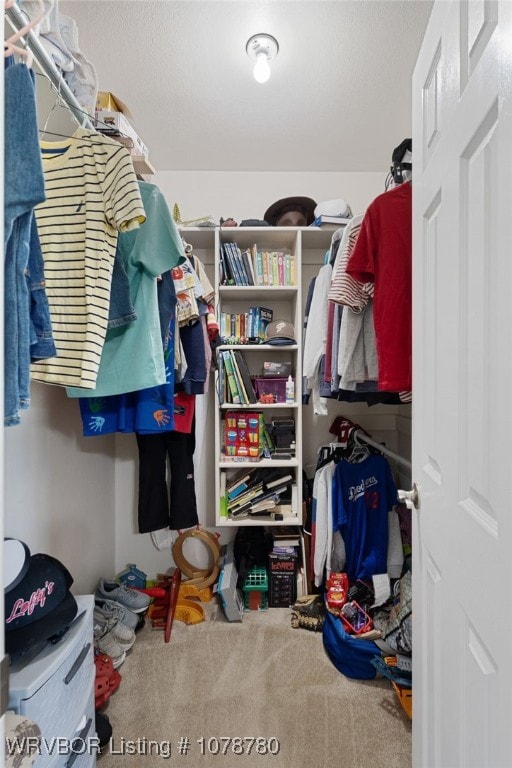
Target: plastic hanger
{"points": [[9, 45]]}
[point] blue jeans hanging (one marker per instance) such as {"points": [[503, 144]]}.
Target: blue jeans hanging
{"points": [[24, 189]]}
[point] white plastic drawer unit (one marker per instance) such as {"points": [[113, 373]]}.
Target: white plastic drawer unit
{"points": [[56, 690]]}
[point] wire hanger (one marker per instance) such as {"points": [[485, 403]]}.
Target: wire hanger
{"points": [[9, 45]]}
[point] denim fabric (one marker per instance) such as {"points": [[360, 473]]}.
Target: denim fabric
{"points": [[24, 189], [42, 344], [166, 303], [121, 310]]}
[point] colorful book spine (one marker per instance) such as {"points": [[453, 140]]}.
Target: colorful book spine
{"points": [[293, 275], [265, 263], [259, 268], [220, 379], [244, 400], [223, 496], [247, 260], [250, 327], [280, 269], [275, 269], [228, 250], [287, 270], [237, 255], [230, 374]]}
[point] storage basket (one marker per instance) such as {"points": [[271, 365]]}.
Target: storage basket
{"points": [[271, 385], [255, 589]]}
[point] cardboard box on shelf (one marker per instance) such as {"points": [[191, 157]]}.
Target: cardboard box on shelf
{"points": [[135, 145], [111, 117], [112, 122], [111, 103], [142, 166], [139, 154]]}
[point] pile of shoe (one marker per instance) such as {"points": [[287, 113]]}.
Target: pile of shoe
{"points": [[308, 612], [118, 615]]}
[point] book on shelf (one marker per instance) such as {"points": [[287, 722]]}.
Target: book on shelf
{"points": [[221, 379], [244, 399], [248, 264], [237, 257], [280, 269], [223, 496], [256, 500], [259, 268], [232, 265], [260, 507], [259, 318], [228, 276], [271, 477], [243, 277], [286, 536], [243, 369], [281, 511], [230, 375], [238, 478]]}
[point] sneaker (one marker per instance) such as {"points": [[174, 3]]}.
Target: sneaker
{"points": [[129, 598], [109, 609], [106, 643], [124, 635], [308, 612]]}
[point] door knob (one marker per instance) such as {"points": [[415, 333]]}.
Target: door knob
{"points": [[411, 498]]}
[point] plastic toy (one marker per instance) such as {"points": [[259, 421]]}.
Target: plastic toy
{"points": [[164, 606], [132, 577]]}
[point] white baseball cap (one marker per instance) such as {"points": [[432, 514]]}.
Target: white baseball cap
{"points": [[333, 208]]}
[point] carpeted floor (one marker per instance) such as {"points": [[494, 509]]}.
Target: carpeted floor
{"points": [[260, 678]]}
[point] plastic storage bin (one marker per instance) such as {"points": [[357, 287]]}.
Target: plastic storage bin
{"points": [[271, 385], [255, 589]]}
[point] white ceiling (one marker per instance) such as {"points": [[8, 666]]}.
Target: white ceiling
{"points": [[338, 99]]}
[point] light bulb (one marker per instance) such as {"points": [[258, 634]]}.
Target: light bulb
{"points": [[261, 69]]}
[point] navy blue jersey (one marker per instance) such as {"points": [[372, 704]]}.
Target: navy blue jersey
{"points": [[362, 495]]}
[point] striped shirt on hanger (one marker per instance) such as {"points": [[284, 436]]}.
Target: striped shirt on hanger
{"points": [[344, 288], [91, 194]]}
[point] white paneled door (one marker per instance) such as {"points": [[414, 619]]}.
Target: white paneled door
{"points": [[462, 425]]}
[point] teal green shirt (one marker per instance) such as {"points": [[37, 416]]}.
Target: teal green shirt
{"points": [[133, 355]]}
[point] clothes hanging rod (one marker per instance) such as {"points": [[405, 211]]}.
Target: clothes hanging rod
{"points": [[31, 41], [399, 459]]}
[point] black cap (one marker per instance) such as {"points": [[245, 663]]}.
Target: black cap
{"points": [[39, 606], [304, 204]]}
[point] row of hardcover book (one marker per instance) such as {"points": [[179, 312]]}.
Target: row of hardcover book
{"points": [[261, 491], [245, 327], [236, 385], [250, 266], [234, 379]]}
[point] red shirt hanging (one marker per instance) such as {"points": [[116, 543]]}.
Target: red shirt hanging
{"points": [[383, 255]]}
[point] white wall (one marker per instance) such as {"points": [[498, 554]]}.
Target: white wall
{"points": [[59, 487], [243, 195]]}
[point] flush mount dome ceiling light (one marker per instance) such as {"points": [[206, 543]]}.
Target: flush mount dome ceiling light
{"points": [[262, 49]]}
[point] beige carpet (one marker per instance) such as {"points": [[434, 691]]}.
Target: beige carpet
{"points": [[258, 678]]}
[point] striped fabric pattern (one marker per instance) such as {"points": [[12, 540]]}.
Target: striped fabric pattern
{"points": [[91, 194], [344, 288]]}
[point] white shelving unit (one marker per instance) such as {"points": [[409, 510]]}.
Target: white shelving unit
{"points": [[308, 246]]}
